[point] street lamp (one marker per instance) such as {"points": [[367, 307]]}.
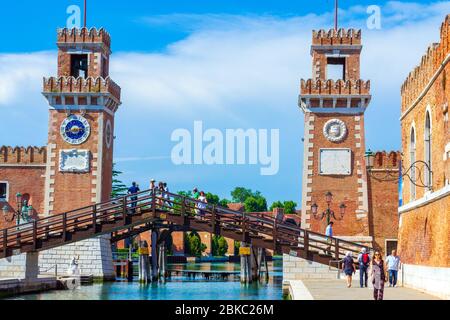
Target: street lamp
{"points": [[328, 213], [414, 173], [21, 213]]}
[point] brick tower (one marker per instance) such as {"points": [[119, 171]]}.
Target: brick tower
{"points": [[334, 134], [83, 101]]}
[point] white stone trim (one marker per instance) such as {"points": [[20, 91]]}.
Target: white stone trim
{"points": [[99, 163], [298, 290], [17, 165], [309, 121], [426, 199], [356, 238], [432, 280], [48, 179]]}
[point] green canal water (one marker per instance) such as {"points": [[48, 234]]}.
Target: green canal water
{"points": [[177, 288]]}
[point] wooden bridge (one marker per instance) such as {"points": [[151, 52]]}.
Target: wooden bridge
{"points": [[133, 214]]}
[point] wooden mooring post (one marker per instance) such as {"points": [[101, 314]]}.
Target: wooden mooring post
{"points": [[253, 263], [154, 237], [144, 262]]}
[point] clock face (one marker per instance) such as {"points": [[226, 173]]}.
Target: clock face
{"points": [[75, 129], [108, 134]]}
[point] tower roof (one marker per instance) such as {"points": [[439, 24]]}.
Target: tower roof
{"points": [[73, 38]]}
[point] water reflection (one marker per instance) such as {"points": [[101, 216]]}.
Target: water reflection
{"points": [[178, 287]]}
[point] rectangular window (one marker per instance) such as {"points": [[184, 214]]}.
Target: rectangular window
{"points": [[79, 65], [336, 68], [391, 244], [3, 191]]}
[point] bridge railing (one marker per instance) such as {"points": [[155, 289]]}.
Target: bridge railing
{"points": [[155, 201]]}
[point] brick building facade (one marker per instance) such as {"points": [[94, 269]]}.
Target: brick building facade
{"points": [[74, 169], [334, 146], [424, 234]]}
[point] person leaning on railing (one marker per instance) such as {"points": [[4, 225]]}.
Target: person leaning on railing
{"points": [[133, 190]]}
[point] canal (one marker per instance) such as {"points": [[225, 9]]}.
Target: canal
{"points": [[178, 287]]}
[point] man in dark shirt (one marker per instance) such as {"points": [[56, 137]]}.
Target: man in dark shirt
{"points": [[133, 190]]}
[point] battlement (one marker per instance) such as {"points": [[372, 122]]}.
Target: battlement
{"points": [[339, 37], [23, 155], [331, 87], [418, 79], [81, 85], [386, 160], [83, 35]]}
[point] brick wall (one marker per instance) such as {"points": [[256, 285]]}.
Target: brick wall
{"points": [[383, 199], [26, 180], [424, 235], [347, 189]]}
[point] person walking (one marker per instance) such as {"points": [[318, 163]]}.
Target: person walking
{"points": [[133, 190], [166, 195], [195, 193], [201, 205], [329, 234], [152, 186], [393, 265], [348, 267], [378, 276], [364, 263]]}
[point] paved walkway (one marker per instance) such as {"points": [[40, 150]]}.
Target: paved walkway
{"points": [[337, 290]]}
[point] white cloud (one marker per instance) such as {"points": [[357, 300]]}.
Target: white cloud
{"points": [[239, 71], [21, 76]]}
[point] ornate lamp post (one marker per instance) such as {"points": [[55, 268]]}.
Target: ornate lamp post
{"points": [[414, 173], [21, 213], [328, 213]]}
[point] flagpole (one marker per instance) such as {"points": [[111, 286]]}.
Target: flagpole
{"points": [[336, 15], [85, 9]]}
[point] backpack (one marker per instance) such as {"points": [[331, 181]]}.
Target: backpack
{"points": [[365, 259]]}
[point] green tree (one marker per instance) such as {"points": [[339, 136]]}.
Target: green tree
{"points": [[215, 200], [240, 194], [119, 189], [255, 204], [277, 204], [253, 201], [219, 246], [194, 245], [288, 206]]}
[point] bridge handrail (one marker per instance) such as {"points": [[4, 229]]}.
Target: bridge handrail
{"points": [[279, 229]]}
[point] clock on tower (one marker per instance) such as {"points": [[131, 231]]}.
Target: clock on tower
{"points": [[334, 101], [83, 100]]}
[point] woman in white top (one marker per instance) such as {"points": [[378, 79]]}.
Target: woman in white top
{"points": [[201, 204]]}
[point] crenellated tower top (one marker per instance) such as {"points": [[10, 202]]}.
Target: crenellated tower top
{"points": [[335, 85], [83, 80], [435, 58], [23, 155]]}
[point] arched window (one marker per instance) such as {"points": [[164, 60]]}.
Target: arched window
{"points": [[427, 173], [412, 159]]}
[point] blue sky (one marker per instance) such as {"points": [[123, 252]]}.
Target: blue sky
{"points": [[232, 64]]}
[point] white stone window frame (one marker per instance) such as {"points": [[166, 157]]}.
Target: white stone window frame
{"points": [[428, 175], [412, 186], [7, 191]]}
